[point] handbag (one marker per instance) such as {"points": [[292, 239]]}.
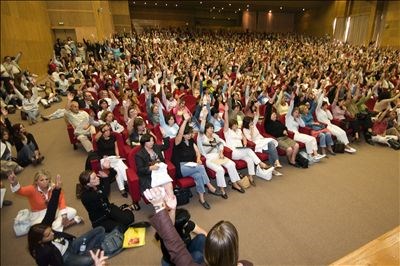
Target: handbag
{"points": [[134, 237], [244, 182], [302, 161], [113, 242], [182, 195], [265, 174], [22, 222], [338, 147]]}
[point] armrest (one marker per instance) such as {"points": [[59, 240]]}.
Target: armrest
{"points": [[227, 152], [305, 130], [290, 134], [133, 184], [251, 144], [171, 168]]}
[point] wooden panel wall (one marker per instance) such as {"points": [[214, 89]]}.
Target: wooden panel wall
{"points": [[90, 19], [275, 22], [249, 21], [25, 27], [390, 34], [120, 16]]}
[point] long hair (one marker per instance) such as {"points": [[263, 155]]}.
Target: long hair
{"points": [[84, 179], [222, 248], [246, 122], [35, 236]]}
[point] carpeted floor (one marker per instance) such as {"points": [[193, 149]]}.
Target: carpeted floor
{"points": [[306, 217]]}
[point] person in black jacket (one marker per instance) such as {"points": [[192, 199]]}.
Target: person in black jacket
{"points": [[94, 197], [49, 247], [278, 130], [148, 159]]}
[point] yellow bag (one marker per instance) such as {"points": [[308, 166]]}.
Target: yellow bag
{"points": [[244, 182], [134, 237]]}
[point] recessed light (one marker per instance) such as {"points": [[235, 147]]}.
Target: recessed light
{"points": [[222, 8], [155, 3], [145, 3], [247, 9], [166, 4], [201, 3], [229, 18], [270, 11], [304, 9], [247, 5], [176, 4], [213, 7], [134, 2], [239, 9], [235, 12], [213, 17], [281, 7], [230, 4]]}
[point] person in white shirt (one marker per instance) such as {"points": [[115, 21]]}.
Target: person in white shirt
{"points": [[108, 118], [212, 147], [80, 122], [325, 116], [237, 143], [293, 122]]}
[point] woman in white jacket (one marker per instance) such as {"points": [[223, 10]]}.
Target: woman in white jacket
{"points": [[325, 116], [293, 121]]}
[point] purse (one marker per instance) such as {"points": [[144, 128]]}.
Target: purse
{"points": [[338, 147], [265, 174], [244, 182]]}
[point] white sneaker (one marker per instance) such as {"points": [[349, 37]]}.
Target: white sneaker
{"points": [[319, 156], [276, 173], [350, 150], [78, 219]]}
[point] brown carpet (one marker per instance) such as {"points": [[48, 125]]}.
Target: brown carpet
{"points": [[306, 217]]}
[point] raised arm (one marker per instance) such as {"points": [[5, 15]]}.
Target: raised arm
{"points": [[179, 136], [226, 118]]}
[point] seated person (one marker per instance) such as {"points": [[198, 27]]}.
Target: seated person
{"points": [[94, 196], [148, 159], [39, 194], [107, 149], [27, 148], [185, 150], [50, 247]]}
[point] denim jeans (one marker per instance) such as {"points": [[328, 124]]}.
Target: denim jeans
{"points": [[272, 153], [199, 175], [195, 248], [325, 139], [25, 155], [94, 238]]}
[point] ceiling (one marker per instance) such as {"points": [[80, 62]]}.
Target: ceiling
{"points": [[230, 7]]}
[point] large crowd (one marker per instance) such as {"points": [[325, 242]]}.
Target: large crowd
{"points": [[177, 103]]}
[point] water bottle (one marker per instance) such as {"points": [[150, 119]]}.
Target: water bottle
{"points": [[82, 248]]}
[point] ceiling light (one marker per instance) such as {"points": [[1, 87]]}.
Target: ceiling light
{"points": [[235, 11], [247, 5], [230, 4], [304, 9], [166, 4], [176, 4], [155, 3], [213, 7], [239, 9], [145, 3], [229, 18], [213, 17], [281, 8], [270, 11], [201, 3], [222, 8], [247, 9], [134, 2]]}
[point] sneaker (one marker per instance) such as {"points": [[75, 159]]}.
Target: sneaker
{"points": [[319, 156], [276, 173], [350, 150], [78, 219]]}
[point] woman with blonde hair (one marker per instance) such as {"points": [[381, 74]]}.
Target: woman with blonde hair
{"points": [[39, 194]]}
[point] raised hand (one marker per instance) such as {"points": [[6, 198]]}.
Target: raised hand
{"points": [[170, 201], [155, 195], [58, 183], [12, 178]]}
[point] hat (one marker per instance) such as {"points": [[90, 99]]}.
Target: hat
{"points": [[188, 129]]}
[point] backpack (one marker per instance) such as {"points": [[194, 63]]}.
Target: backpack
{"points": [[301, 161], [112, 243]]}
